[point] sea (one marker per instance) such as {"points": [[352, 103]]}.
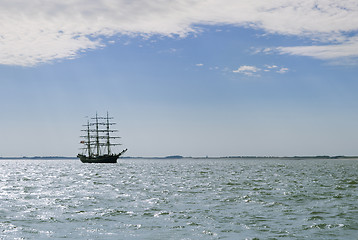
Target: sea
{"points": [[234, 198]]}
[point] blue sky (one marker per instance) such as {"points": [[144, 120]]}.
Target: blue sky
{"points": [[192, 78]]}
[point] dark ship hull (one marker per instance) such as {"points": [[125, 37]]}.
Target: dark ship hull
{"points": [[99, 159]]}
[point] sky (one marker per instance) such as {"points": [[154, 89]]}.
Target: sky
{"points": [[181, 77]]}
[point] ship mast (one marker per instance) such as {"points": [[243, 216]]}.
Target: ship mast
{"points": [[108, 143], [97, 136], [88, 139], [87, 142]]}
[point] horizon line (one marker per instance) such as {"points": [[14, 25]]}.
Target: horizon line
{"points": [[193, 157]]}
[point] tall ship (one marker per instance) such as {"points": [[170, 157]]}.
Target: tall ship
{"points": [[97, 145]]}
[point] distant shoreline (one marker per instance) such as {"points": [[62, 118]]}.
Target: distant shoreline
{"points": [[177, 157]]}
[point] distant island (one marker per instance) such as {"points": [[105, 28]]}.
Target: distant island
{"points": [[249, 157], [178, 157]]}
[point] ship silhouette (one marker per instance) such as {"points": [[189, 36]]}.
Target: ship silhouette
{"points": [[97, 141]]}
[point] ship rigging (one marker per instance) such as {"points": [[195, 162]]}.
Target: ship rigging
{"points": [[97, 141]]}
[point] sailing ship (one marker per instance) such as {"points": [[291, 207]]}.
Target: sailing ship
{"points": [[97, 145]]}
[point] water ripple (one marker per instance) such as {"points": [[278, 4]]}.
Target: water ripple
{"points": [[186, 199]]}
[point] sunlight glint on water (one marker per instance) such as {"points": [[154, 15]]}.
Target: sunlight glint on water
{"points": [[179, 199]]}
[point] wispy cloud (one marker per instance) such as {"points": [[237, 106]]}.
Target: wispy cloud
{"points": [[347, 48], [247, 70], [33, 32], [199, 64], [282, 70], [271, 66], [254, 70]]}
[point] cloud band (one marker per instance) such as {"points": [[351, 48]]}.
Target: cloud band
{"points": [[33, 32]]}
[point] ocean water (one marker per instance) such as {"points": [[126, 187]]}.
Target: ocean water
{"points": [[179, 199]]}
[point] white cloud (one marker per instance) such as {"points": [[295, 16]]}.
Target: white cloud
{"points": [[199, 65], [282, 70], [267, 50], [271, 66], [247, 70], [253, 70], [38, 31], [345, 49]]}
